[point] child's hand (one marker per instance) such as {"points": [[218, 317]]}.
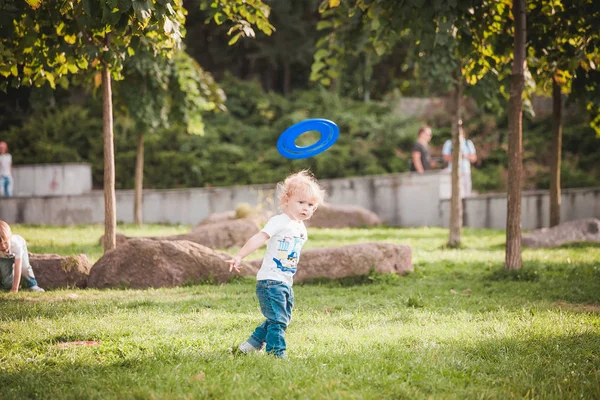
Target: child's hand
{"points": [[235, 264]]}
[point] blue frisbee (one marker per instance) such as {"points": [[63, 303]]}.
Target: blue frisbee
{"points": [[287, 141]]}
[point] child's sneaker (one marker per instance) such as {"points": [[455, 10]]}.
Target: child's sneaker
{"points": [[247, 348], [36, 289]]}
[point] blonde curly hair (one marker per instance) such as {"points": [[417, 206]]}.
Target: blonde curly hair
{"points": [[5, 235], [300, 182]]}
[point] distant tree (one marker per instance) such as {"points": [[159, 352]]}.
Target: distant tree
{"points": [[565, 42], [159, 92], [444, 45], [44, 42]]}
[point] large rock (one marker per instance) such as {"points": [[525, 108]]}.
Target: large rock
{"points": [[217, 217], [119, 239], [220, 235], [143, 263], [352, 260], [581, 230], [343, 216], [260, 217], [54, 271]]}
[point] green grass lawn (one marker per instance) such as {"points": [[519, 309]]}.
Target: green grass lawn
{"points": [[458, 327]]}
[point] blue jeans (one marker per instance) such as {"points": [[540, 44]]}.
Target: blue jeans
{"points": [[7, 273], [5, 186], [276, 302]]}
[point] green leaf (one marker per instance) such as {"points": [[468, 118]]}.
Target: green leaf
{"points": [[332, 73], [325, 81], [82, 63], [70, 39], [235, 38], [63, 82], [324, 25], [60, 29], [219, 18], [50, 78], [318, 65], [375, 24], [323, 6], [72, 68], [321, 54]]}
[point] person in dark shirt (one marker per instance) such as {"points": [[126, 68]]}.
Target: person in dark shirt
{"points": [[421, 158]]}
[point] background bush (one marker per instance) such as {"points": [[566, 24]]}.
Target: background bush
{"points": [[239, 146]]}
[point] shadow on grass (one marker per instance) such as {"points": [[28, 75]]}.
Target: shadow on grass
{"points": [[577, 282], [580, 245]]}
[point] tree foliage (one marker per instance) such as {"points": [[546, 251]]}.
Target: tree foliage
{"points": [[48, 41], [159, 92]]}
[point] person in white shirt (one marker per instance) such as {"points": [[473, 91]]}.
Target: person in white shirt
{"points": [[14, 262], [285, 233], [6, 180], [467, 156]]}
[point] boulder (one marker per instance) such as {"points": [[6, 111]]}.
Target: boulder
{"points": [[220, 235], [259, 217], [352, 260], [144, 263], [581, 230], [216, 217], [54, 271], [120, 239], [343, 216]]}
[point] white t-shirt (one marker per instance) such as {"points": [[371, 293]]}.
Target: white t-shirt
{"points": [[286, 238], [18, 246], [5, 163]]}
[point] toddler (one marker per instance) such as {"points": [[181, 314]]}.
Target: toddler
{"points": [[285, 234]]}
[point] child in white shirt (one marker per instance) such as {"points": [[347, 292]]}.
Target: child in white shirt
{"points": [[14, 262], [285, 233]]}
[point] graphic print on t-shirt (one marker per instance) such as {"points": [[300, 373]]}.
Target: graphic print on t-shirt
{"points": [[288, 253]]}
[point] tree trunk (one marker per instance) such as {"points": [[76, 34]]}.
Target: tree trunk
{"points": [[366, 92], [455, 199], [139, 182], [110, 217], [515, 142], [555, 160]]}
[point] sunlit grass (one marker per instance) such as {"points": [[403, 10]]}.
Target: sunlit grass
{"points": [[459, 327]]}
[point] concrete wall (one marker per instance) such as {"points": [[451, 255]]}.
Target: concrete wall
{"points": [[489, 210], [399, 199], [52, 179], [408, 200]]}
